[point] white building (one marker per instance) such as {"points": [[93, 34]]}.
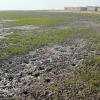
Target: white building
{"points": [[72, 8], [98, 9], [91, 8]]}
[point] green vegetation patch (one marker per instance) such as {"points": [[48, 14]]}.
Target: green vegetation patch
{"points": [[19, 43], [39, 21], [12, 15], [90, 74], [94, 37], [85, 82]]}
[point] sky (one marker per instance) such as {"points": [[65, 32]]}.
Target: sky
{"points": [[44, 4]]}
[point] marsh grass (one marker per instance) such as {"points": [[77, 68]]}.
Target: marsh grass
{"points": [[90, 74], [20, 43], [84, 84], [15, 15], [86, 79], [46, 18], [45, 22]]}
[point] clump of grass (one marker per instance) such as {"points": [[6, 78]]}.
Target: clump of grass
{"points": [[85, 82], [94, 37], [20, 43], [88, 76], [91, 79], [93, 60]]}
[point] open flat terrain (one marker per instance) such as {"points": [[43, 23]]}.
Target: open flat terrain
{"points": [[49, 55]]}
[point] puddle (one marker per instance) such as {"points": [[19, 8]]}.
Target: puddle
{"points": [[1, 37], [6, 20], [9, 30], [26, 27], [89, 23]]}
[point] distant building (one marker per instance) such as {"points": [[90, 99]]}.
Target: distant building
{"points": [[83, 8], [75, 8], [98, 9], [88, 9], [72, 8], [91, 8]]}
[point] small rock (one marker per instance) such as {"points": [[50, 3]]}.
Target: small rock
{"points": [[10, 62], [6, 71], [46, 61], [37, 74], [73, 64], [10, 78], [0, 79], [48, 69], [41, 68], [26, 61], [47, 80], [25, 92]]}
